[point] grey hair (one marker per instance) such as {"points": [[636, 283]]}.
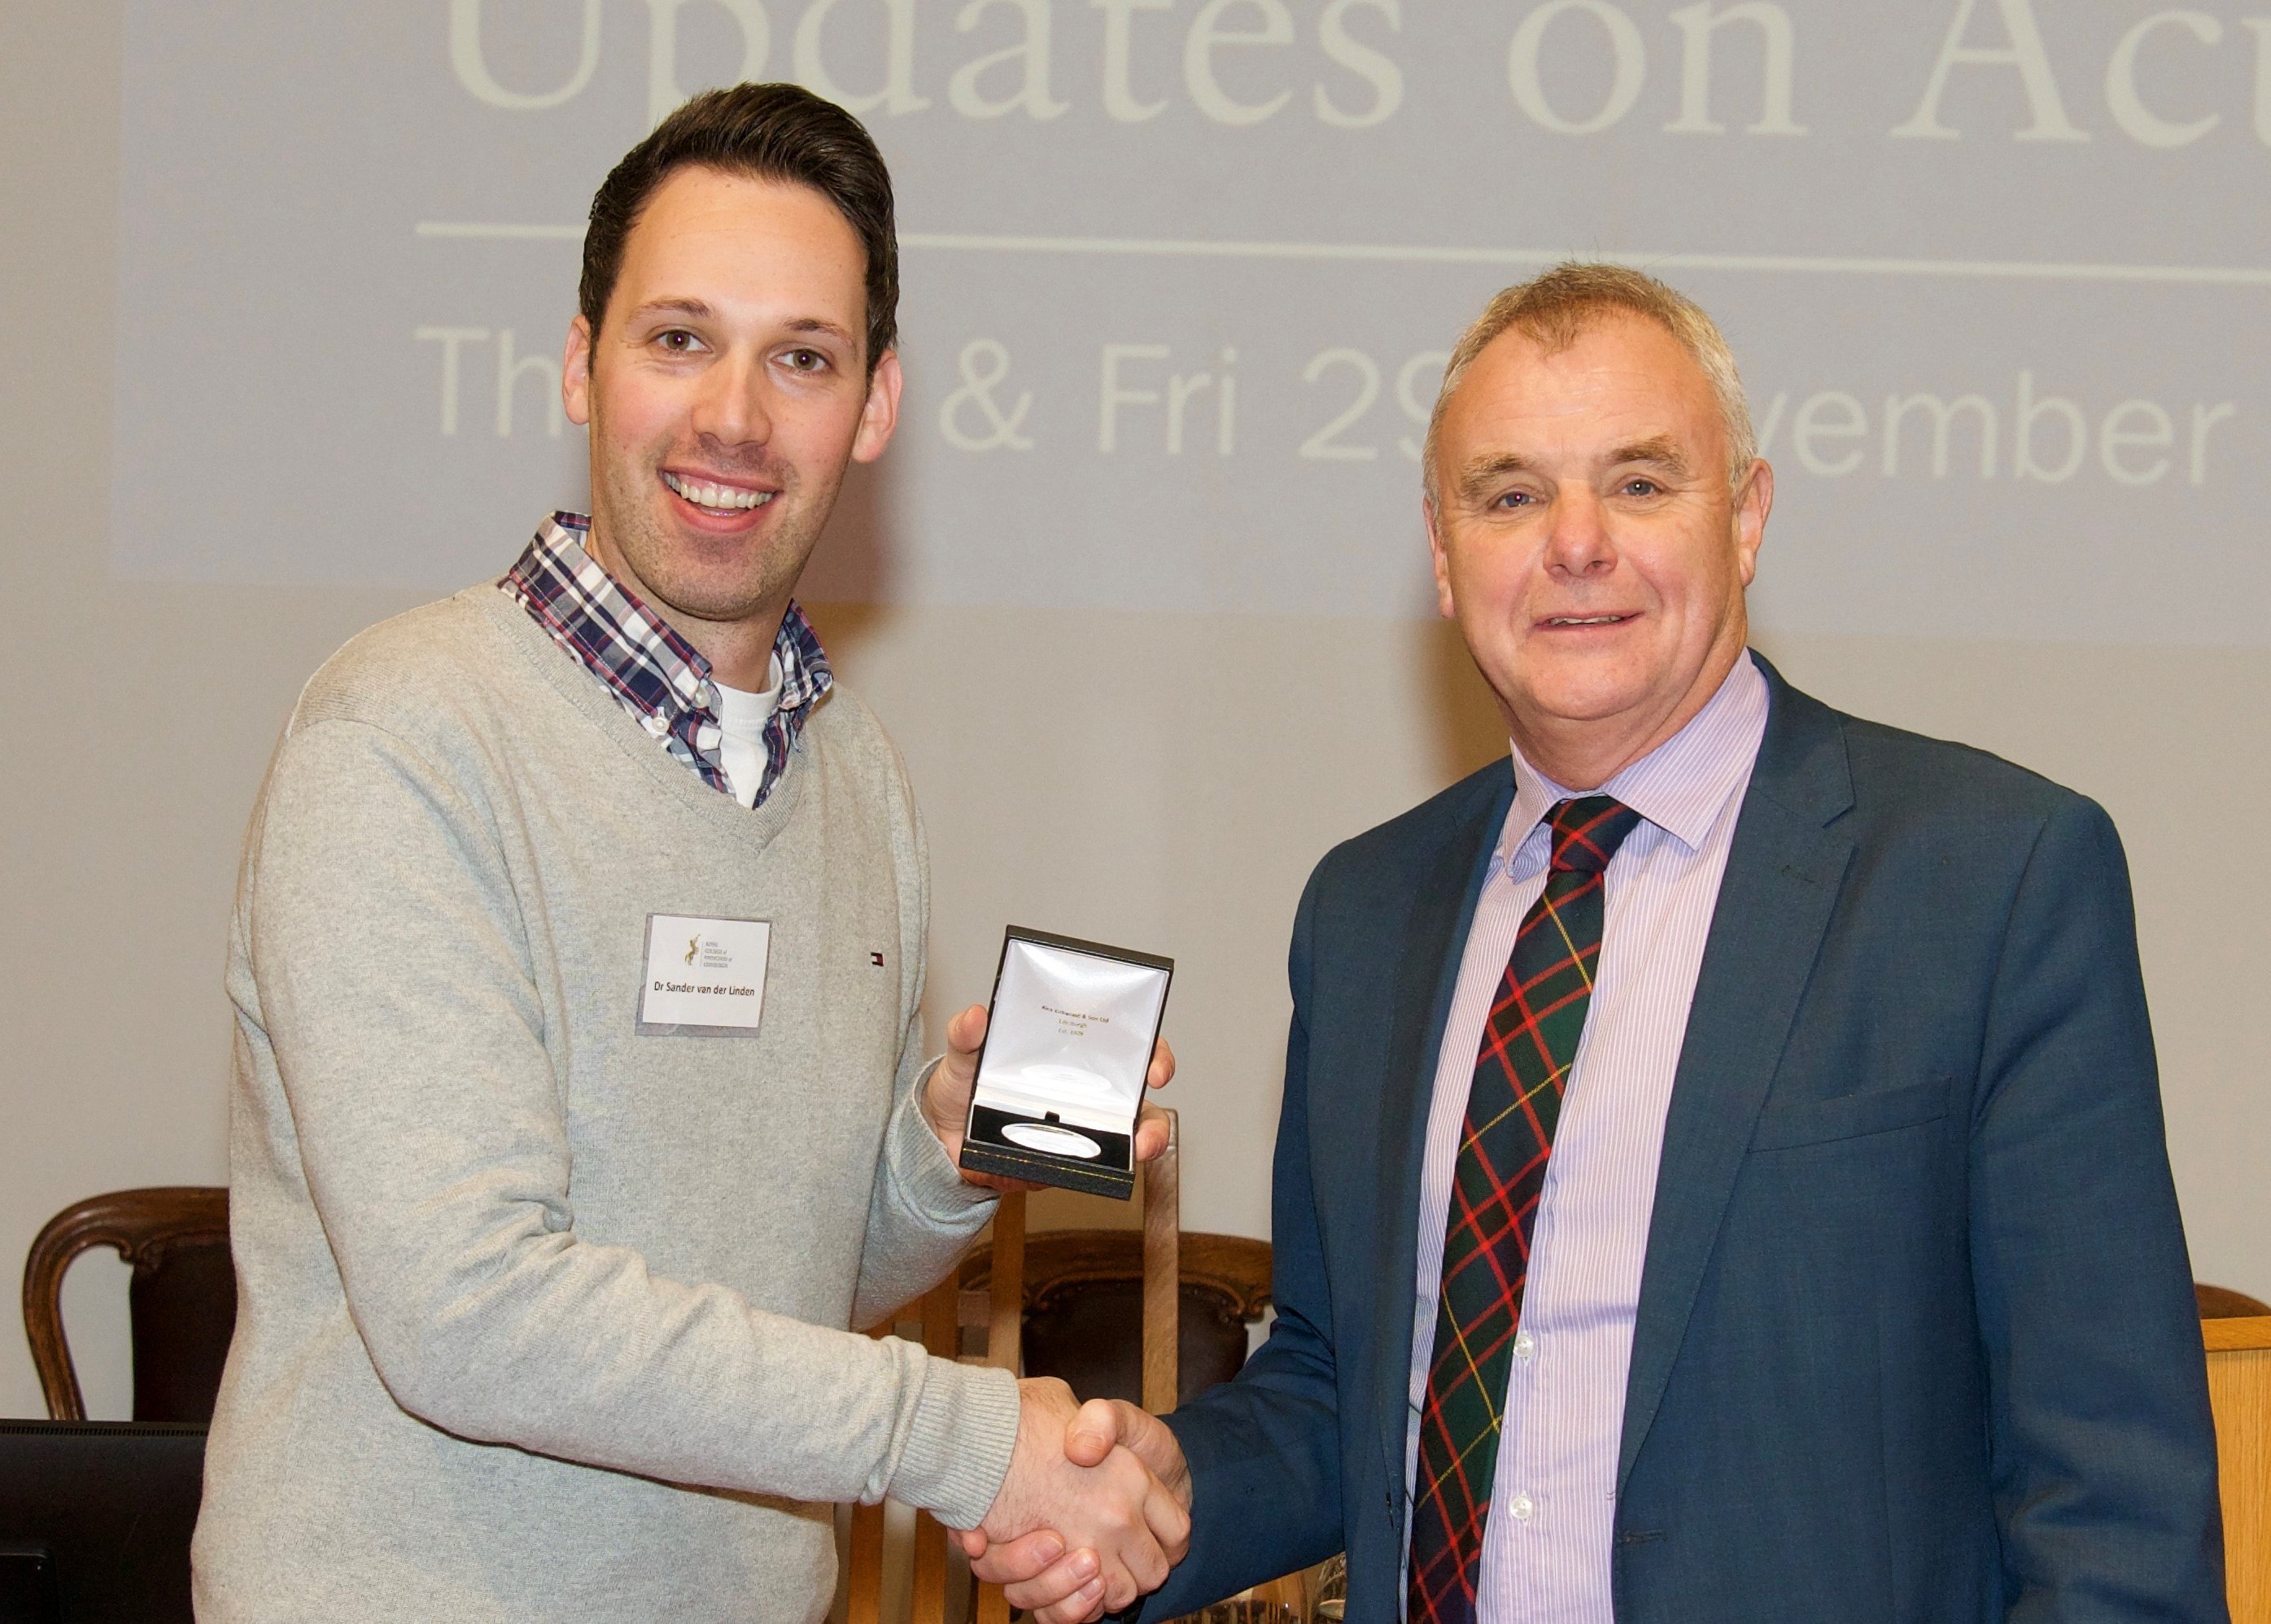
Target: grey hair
{"points": [[1556, 308]]}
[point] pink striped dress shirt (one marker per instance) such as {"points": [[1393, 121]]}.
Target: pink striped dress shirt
{"points": [[1545, 1545]]}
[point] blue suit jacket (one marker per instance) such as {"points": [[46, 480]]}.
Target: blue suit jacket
{"points": [[1916, 1338]]}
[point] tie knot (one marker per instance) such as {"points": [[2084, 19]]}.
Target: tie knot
{"points": [[1587, 832]]}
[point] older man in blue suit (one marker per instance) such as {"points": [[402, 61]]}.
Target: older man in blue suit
{"points": [[1721, 1175]]}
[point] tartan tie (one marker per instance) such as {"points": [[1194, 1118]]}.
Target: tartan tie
{"points": [[1528, 1046]]}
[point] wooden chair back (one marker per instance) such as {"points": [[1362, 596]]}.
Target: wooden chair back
{"points": [[997, 1308], [181, 1300], [2221, 1303], [1085, 1307], [2239, 1388]]}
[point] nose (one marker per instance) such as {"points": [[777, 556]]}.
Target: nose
{"points": [[730, 406], [1578, 544]]}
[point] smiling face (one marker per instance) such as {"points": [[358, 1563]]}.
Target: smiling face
{"points": [[727, 391], [1587, 542]]}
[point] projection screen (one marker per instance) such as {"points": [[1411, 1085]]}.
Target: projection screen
{"points": [[1181, 275]]}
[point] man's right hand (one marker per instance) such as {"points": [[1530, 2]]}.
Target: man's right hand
{"points": [[1080, 1526], [1048, 1571]]}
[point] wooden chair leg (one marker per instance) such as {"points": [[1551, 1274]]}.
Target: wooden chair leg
{"points": [[1005, 1340], [927, 1594], [927, 1597], [1163, 1272], [863, 1596], [863, 1602], [1005, 1322]]}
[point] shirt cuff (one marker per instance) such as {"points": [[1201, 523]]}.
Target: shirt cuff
{"points": [[928, 1183], [959, 1443]]}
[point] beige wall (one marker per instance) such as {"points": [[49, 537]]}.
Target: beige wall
{"points": [[1162, 781]]}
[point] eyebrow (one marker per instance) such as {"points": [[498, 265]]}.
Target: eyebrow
{"points": [[693, 307], [1479, 475], [1659, 451], [813, 324]]}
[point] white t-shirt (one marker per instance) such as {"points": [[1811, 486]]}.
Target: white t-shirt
{"points": [[742, 717]]}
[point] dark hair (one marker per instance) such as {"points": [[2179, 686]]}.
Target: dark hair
{"points": [[773, 132]]}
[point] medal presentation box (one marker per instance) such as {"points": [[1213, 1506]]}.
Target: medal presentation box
{"points": [[1069, 1042]]}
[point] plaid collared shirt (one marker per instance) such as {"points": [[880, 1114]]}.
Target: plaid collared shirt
{"points": [[655, 674]]}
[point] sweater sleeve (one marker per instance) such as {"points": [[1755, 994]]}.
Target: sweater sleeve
{"points": [[923, 1214], [389, 950]]}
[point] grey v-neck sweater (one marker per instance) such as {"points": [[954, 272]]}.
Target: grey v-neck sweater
{"points": [[540, 1318]]}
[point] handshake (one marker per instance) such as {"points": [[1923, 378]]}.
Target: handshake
{"points": [[1094, 1507], [1093, 1512]]}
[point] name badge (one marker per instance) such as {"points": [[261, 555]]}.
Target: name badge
{"points": [[704, 977]]}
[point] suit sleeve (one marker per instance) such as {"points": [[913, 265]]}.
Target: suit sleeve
{"points": [[2104, 1451], [1264, 1449]]}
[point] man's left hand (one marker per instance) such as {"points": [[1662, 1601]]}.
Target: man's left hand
{"points": [[946, 1098]]}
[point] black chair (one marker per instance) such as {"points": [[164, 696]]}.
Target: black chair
{"points": [[181, 1300]]}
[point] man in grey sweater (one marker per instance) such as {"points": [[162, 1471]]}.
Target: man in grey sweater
{"points": [[580, 1108]]}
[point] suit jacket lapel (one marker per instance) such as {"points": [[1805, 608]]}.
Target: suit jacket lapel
{"points": [[1449, 883], [1774, 903]]}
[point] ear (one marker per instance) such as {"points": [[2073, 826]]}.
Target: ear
{"points": [[1441, 558], [880, 413], [1753, 504], [575, 372]]}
